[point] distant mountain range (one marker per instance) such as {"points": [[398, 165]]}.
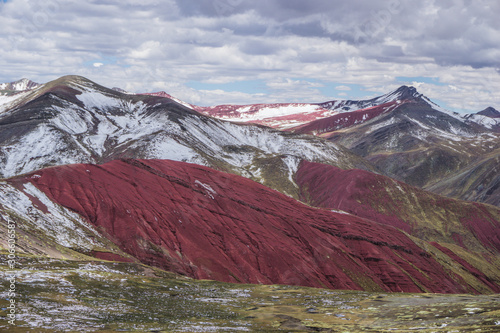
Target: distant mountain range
{"points": [[296, 115], [340, 194], [402, 133]]}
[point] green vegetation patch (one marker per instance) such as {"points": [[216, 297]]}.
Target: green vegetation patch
{"points": [[54, 295]]}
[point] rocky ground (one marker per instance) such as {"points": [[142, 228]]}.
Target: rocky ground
{"points": [[55, 295]]}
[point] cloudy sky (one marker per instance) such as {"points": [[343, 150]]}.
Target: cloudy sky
{"points": [[211, 52]]}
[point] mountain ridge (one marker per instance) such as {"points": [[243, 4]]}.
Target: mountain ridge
{"points": [[74, 120], [98, 124], [490, 112]]}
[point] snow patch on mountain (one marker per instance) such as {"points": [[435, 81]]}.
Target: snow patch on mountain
{"points": [[7, 102], [93, 99], [274, 111], [165, 147], [453, 133], [41, 147], [292, 163], [71, 120], [485, 121], [64, 226], [209, 190], [380, 125]]}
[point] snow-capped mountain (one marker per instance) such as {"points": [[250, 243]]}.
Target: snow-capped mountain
{"points": [[20, 85], [489, 118], [73, 120], [417, 142], [277, 115], [288, 115]]}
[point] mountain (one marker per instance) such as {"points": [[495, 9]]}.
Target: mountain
{"points": [[403, 93], [206, 224], [100, 173], [403, 133], [288, 115], [490, 112], [415, 141], [322, 127], [474, 227], [74, 120], [489, 118], [357, 112], [15, 91], [20, 85]]}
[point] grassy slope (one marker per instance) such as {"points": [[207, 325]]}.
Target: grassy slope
{"points": [[467, 228]]}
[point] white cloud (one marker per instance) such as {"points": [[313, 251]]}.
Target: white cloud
{"points": [[166, 44]]}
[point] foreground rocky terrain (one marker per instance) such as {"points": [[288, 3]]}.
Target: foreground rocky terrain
{"points": [[97, 296]]}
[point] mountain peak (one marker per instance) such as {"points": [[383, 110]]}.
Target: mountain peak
{"points": [[19, 85], [490, 112], [69, 79], [406, 92], [79, 83], [400, 94]]}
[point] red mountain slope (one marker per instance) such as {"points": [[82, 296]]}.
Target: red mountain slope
{"points": [[275, 115], [323, 127], [211, 225], [423, 214]]}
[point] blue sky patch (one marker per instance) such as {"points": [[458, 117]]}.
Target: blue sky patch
{"points": [[407, 80], [249, 87], [335, 90], [104, 60]]}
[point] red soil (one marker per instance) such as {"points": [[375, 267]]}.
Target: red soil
{"points": [[211, 225], [468, 267], [364, 194], [344, 120]]}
